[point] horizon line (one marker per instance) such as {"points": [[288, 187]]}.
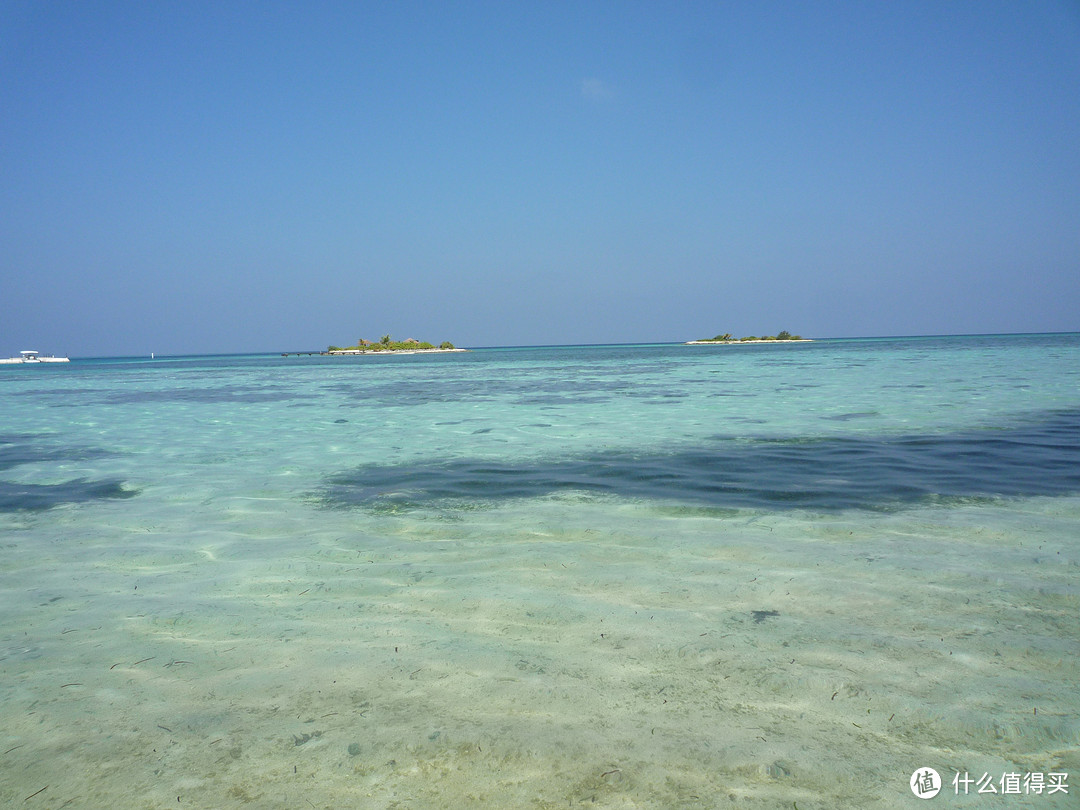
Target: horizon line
{"points": [[158, 355]]}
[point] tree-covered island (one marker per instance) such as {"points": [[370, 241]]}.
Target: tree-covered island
{"points": [[388, 344], [783, 336]]}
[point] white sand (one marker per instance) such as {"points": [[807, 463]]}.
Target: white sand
{"points": [[542, 669], [741, 342]]}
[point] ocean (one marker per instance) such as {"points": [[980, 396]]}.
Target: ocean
{"points": [[638, 576]]}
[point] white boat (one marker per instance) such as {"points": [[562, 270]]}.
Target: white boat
{"points": [[31, 356]]}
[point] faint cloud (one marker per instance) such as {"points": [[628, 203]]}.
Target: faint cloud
{"points": [[595, 89]]}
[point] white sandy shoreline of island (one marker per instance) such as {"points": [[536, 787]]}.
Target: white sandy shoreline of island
{"points": [[392, 351], [741, 342], [352, 352]]}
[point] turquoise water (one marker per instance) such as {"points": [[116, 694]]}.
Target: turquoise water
{"points": [[616, 576]]}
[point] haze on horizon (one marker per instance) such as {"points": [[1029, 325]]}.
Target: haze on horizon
{"points": [[233, 177]]}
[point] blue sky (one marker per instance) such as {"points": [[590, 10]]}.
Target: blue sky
{"points": [[261, 176]]}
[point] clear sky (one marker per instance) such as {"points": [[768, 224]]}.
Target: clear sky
{"points": [[189, 177]]}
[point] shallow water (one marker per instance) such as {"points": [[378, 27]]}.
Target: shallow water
{"points": [[632, 576]]}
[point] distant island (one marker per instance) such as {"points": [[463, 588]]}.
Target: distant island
{"points": [[388, 344], [384, 345], [780, 337]]}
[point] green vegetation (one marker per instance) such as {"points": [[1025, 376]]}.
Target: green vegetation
{"points": [[388, 344], [727, 338]]}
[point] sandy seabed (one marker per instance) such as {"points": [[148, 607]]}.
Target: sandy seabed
{"points": [[635, 656]]}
